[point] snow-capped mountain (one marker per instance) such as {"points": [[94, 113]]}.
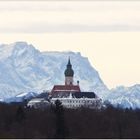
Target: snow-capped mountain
{"points": [[126, 97], [22, 97], [25, 69]]}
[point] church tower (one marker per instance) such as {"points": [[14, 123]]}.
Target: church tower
{"points": [[69, 73]]}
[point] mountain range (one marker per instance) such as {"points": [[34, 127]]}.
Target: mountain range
{"points": [[24, 69]]}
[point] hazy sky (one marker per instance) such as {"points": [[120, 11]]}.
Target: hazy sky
{"points": [[108, 33]]}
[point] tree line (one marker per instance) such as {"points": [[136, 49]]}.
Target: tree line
{"points": [[18, 121]]}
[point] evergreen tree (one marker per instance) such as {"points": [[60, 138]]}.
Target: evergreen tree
{"points": [[61, 130], [20, 115]]}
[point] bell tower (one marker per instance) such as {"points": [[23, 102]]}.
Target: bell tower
{"points": [[69, 73]]}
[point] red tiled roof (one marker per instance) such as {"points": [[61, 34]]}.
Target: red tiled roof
{"points": [[75, 88]]}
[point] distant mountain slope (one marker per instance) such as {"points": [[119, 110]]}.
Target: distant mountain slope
{"points": [[25, 69], [126, 97], [22, 97]]}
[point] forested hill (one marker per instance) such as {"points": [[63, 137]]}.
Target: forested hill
{"points": [[17, 121]]}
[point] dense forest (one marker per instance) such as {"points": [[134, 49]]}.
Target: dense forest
{"points": [[18, 121]]}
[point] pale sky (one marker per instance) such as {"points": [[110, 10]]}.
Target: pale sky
{"points": [[108, 33]]}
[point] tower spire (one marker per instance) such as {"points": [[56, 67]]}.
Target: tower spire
{"points": [[69, 63]]}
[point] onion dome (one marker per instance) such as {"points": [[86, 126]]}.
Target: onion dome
{"points": [[69, 71]]}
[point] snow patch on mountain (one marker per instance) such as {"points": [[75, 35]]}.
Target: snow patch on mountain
{"points": [[22, 97]]}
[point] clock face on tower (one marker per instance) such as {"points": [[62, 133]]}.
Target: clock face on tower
{"points": [[68, 80]]}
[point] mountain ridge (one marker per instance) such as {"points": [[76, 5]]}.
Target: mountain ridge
{"points": [[23, 68]]}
